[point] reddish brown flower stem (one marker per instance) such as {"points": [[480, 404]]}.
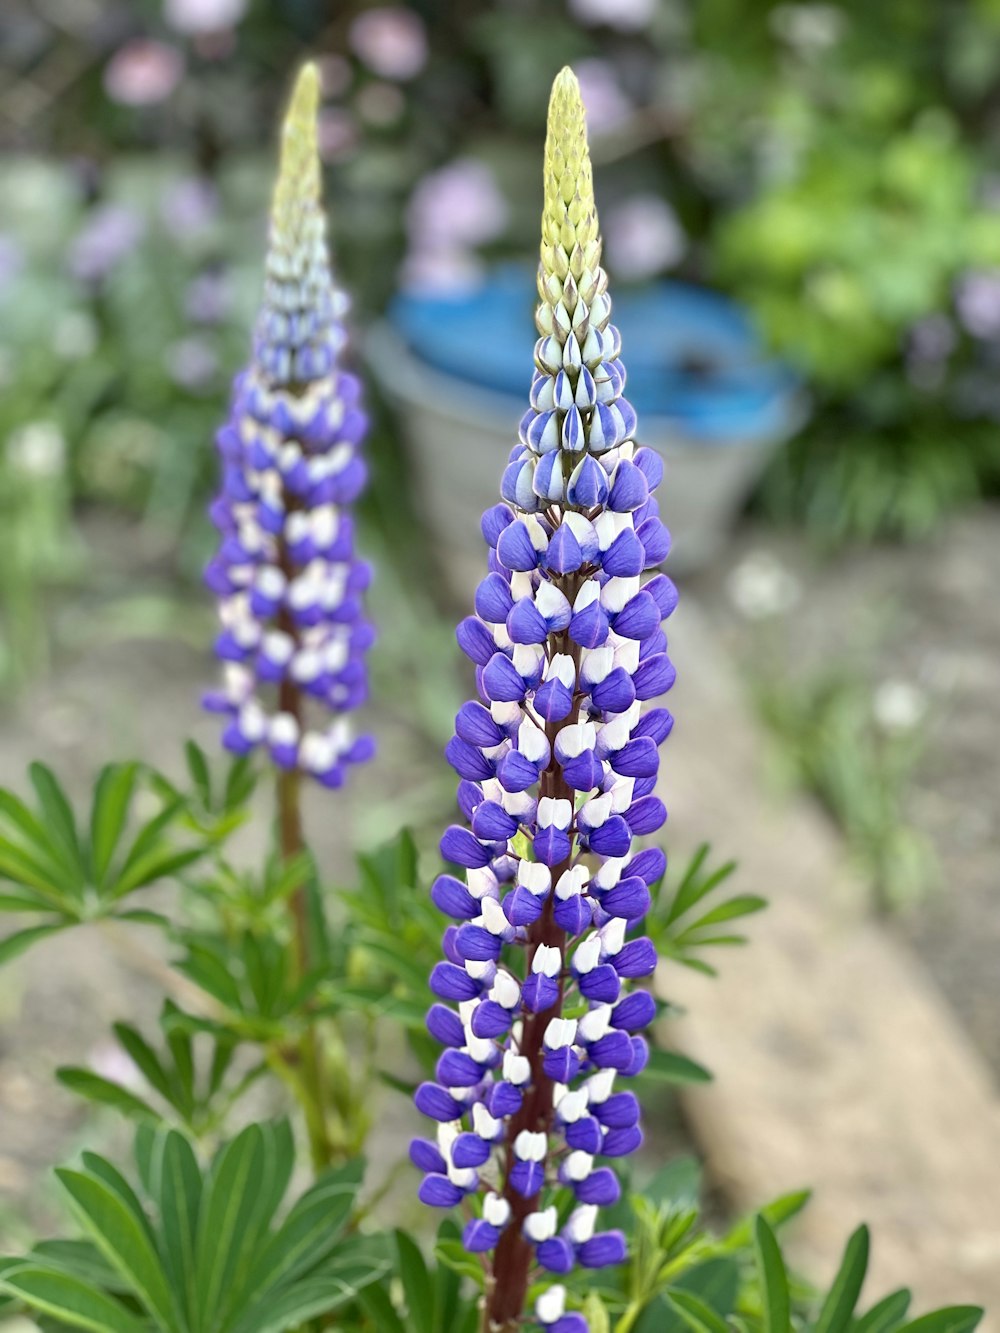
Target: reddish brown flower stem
{"points": [[507, 1284]]}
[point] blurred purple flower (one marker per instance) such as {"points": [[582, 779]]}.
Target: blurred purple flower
{"points": [[208, 298], [977, 300], [110, 233], [190, 204], [192, 363], [627, 15], [391, 41], [11, 260], [643, 237], [142, 73], [200, 17], [932, 338], [608, 107], [929, 344], [337, 132], [459, 205]]}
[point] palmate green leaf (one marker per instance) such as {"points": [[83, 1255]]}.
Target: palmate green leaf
{"points": [[68, 1298], [199, 772], [743, 904], [179, 1192], [105, 1092], [835, 1315], [123, 1236], [377, 1304], [52, 885], [454, 1255], [952, 1319], [672, 1067], [886, 1315], [146, 1060], [59, 820], [292, 1306], [66, 869], [163, 861], [82, 1259], [678, 1184], [447, 1283], [377, 1001], [27, 849], [417, 1286], [108, 815], [205, 963], [19, 940], [696, 1313], [777, 1212], [203, 1254], [311, 1230], [224, 1220], [694, 886], [773, 1277]]}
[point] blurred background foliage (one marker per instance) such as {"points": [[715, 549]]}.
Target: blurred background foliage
{"points": [[831, 165]]}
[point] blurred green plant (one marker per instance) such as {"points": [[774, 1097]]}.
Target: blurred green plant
{"points": [[856, 751]]}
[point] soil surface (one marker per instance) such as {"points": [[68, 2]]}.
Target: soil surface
{"points": [[920, 627]]}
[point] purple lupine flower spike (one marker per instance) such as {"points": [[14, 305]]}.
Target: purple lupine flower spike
{"points": [[289, 584], [539, 1021]]}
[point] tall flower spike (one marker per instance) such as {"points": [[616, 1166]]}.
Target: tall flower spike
{"points": [[558, 761], [289, 584]]}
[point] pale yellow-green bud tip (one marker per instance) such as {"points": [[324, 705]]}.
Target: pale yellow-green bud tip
{"points": [[570, 241], [298, 184]]}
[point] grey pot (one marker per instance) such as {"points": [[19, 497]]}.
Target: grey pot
{"points": [[460, 435]]}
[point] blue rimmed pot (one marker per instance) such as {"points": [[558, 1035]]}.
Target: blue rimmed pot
{"points": [[708, 398]]}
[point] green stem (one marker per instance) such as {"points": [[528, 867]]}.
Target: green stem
{"points": [[309, 1085]]}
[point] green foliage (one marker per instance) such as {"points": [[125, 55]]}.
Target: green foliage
{"points": [[835, 1311], [862, 773], [680, 923], [423, 1297], [63, 869], [191, 1249], [179, 1087]]}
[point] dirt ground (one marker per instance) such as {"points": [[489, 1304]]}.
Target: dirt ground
{"points": [[927, 618]]}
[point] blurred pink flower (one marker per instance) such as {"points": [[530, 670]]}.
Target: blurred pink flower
{"points": [[142, 73], [338, 134], [457, 206], [391, 41], [977, 300], [643, 237], [441, 272], [198, 17], [607, 105], [627, 15]]}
